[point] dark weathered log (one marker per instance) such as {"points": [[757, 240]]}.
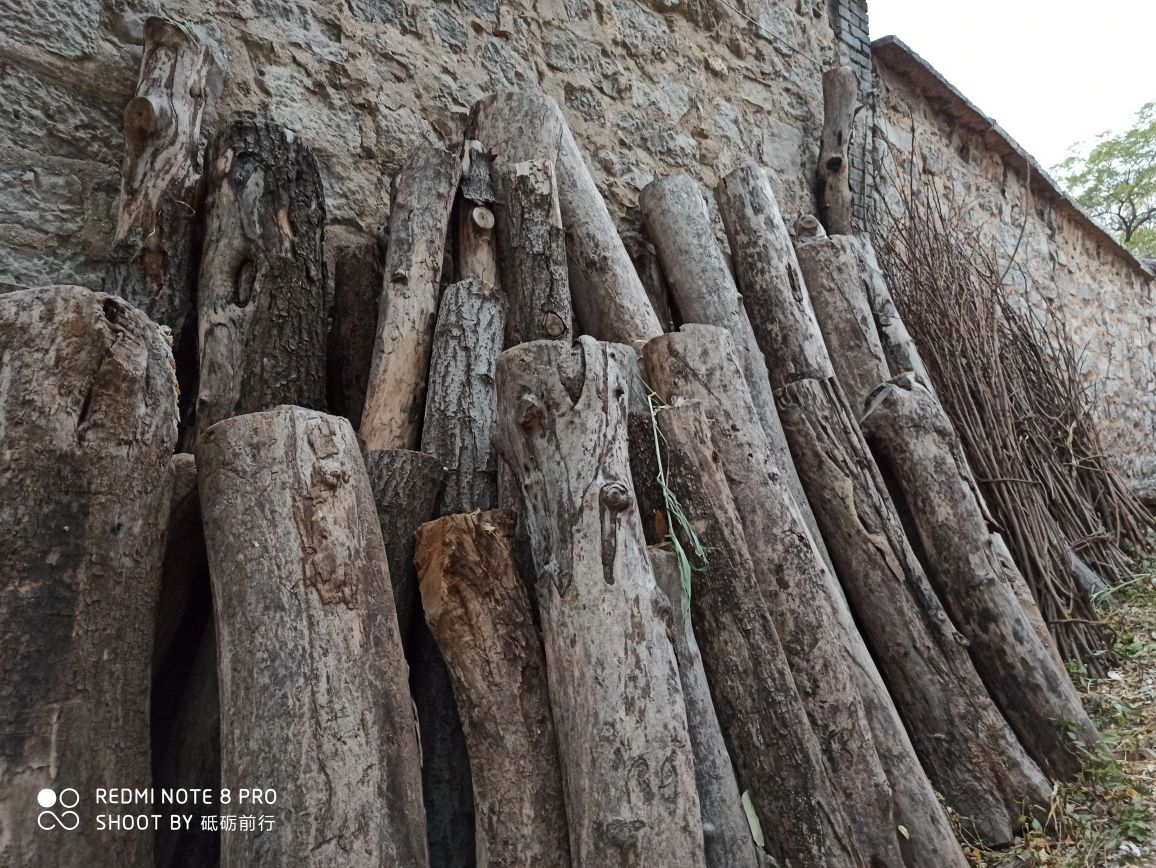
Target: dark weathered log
{"points": [[920, 655], [153, 258], [476, 243], [836, 272], [833, 190], [88, 410], [262, 316], [627, 764], [309, 650], [460, 402], [479, 613], [532, 248], [704, 292], [645, 259], [916, 443], [423, 196], [726, 831], [357, 282], [405, 487], [700, 364], [607, 295]]}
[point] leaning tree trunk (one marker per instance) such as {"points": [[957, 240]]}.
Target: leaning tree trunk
{"points": [[700, 364], [475, 245], [627, 764], [608, 297], [532, 248], [479, 612], [987, 776], [357, 271], [153, 258], [461, 406], [726, 831], [840, 101], [423, 197], [704, 292], [261, 307], [310, 657], [916, 443], [88, 413]]}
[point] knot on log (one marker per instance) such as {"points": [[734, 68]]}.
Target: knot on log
{"points": [[553, 325], [529, 412], [834, 164], [616, 496]]}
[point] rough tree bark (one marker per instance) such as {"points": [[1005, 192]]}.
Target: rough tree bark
{"points": [[88, 415], [423, 197], [607, 295], [700, 364], [461, 406], [310, 655], [532, 252], [627, 764], [153, 257], [357, 271], [833, 190], [479, 613], [916, 443], [987, 776], [262, 316], [704, 292], [726, 831]]}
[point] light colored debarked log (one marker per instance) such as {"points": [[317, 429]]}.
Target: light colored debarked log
{"points": [[479, 613], [309, 653], [262, 314], [608, 297], [423, 196], [833, 188], [627, 761], [88, 418]]}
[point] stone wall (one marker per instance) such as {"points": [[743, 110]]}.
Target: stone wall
{"points": [[650, 88], [1065, 264]]}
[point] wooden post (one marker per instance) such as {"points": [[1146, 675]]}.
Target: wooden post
{"points": [[476, 244], [532, 247], [627, 763], [608, 297], [461, 405], [840, 102], [357, 271], [479, 613], [89, 424], [988, 776], [700, 363], [726, 831], [704, 292], [423, 197], [261, 307], [916, 443], [309, 652]]}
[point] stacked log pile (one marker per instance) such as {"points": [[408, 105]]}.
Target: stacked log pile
{"points": [[404, 579]]}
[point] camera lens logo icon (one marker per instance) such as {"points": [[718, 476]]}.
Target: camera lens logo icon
{"points": [[67, 819]]}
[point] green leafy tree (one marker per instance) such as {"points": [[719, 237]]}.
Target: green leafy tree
{"points": [[1116, 182]]}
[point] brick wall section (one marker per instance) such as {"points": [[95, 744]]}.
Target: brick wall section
{"points": [[850, 23]]}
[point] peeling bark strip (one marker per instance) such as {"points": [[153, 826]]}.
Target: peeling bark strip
{"points": [[840, 101], [309, 650], [608, 297], [987, 776], [88, 420], [356, 292], [261, 308], [423, 195], [700, 363], [461, 406], [532, 248], [152, 258], [478, 610], [837, 273], [726, 832], [704, 292], [916, 442], [627, 764]]}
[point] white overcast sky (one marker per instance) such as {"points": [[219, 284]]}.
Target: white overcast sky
{"points": [[1050, 72]]}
